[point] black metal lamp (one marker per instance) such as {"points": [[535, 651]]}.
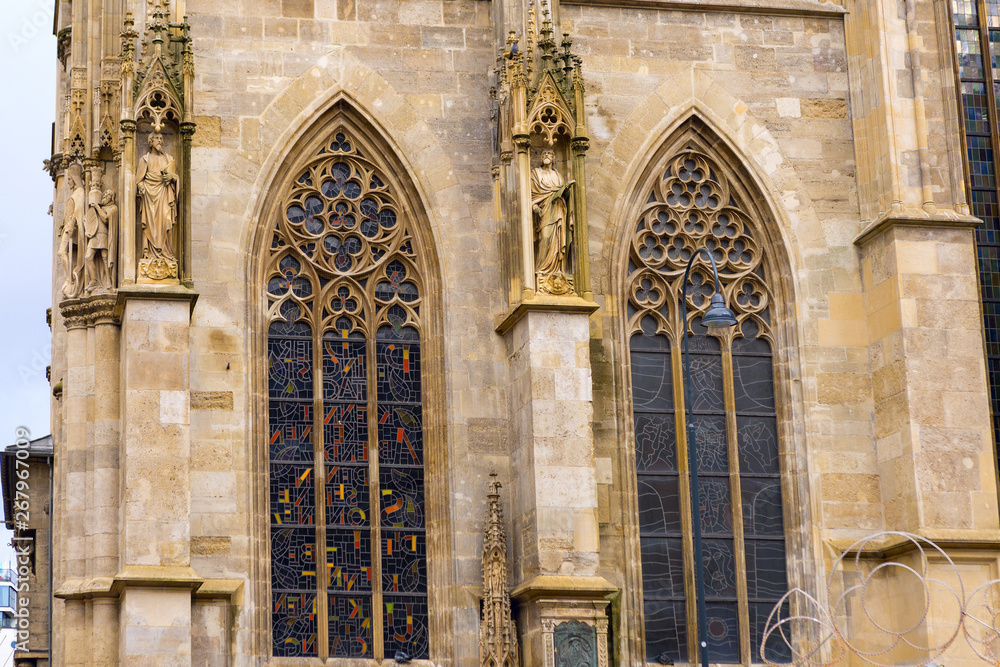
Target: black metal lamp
{"points": [[716, 318]]}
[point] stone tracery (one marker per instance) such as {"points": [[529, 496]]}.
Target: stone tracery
{"points": [[344, 292], [690, 205]]}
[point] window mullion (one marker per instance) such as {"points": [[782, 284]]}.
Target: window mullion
{"points": [[684, 488], [729, 396], [322, 603], [375, 510]]}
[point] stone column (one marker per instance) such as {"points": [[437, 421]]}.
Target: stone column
{"points": [[76, 387], [554, 495], [103, 501], [932, 419], [155, 580]]}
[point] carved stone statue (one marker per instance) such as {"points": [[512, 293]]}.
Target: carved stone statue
{"points": [[156, 191], [552, 212], [102, 236], [70, 233]]}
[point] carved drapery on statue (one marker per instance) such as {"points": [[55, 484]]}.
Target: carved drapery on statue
{"points": [[70, 232], [123, 216], [497, 633], [156, 195], [540, 137], [552, 212]]}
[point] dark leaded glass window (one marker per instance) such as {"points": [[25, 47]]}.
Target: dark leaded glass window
{"points": [[348, 542], [691, 204], [977, 40]]}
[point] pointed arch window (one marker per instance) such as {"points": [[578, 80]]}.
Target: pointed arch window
{"points": [[691, 201], [345, 438]]}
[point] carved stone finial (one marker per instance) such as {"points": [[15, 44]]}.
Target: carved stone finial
{"points": [[497, 633]]}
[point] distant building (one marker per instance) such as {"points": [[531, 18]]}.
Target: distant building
{"points": [[31, 535]]}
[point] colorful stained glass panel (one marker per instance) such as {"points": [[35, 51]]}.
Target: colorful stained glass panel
{"points": [[344, 374], [398, 372], [965, 12], [350, 621], [293, 559], [400, 435], [292, 494], [347, 495], [290, 368], [291, 437], [970, 55], [349, 560], [402, 497], [405, 623], [294, 625], [345, 432], [976, 106], [404, 561], [980, 151]]}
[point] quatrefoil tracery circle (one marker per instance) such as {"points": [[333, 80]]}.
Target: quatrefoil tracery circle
{"points": [[691, 205]]}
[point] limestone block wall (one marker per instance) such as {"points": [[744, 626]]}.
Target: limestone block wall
{"points": [[417, 70], [936, 464], [775, 89]]}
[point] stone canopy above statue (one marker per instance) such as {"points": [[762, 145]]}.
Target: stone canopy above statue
{"points": [[540, 142]]}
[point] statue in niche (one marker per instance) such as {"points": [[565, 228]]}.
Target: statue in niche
{"points": [[102, 236], [552, 212], [69, 234], [156, 191]]}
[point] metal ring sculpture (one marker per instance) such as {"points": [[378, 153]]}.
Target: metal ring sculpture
{"points": [[826, 634]]}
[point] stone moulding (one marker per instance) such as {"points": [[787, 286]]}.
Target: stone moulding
{"points": [[890, 221], [157, 292], [541, 302], [807, 8], [151, 576]]}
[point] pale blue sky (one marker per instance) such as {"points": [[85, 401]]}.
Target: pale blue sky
{"points": [[27, 107]]}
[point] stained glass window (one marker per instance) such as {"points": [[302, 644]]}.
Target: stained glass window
{"points": [[977, 32], [346, 475], [691, 204]]}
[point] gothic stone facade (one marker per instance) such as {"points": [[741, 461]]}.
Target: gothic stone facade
{"points": [[244, 188]]}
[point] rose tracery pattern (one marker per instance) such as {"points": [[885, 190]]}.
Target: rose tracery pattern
{"points": [[690, 206], [345, 431], [342, 233]]}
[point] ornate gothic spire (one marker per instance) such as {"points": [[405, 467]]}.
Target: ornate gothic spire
{"points": [[497, 634]]}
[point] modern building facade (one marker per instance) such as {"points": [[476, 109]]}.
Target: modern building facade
{"points": [[26, 483], [323, 266]]}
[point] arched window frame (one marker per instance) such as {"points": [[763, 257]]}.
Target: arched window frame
{"points": [[695, 133], [343, 114]]}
